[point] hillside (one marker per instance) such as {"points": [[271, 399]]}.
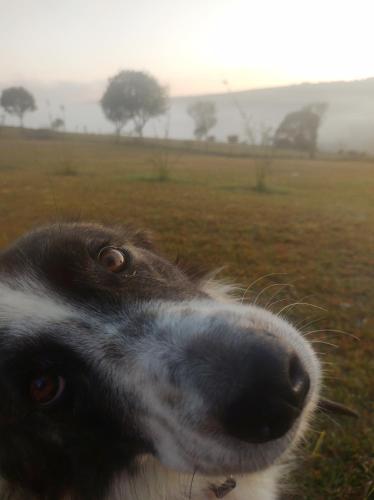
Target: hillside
{"points": [[349, 123]]}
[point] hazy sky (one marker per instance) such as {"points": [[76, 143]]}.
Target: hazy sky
{"points": [[191, 45]]}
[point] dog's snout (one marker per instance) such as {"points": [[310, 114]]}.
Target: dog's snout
{"points": [[269, 393]]}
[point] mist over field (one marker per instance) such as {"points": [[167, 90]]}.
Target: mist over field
{"points": [[348, 124]]}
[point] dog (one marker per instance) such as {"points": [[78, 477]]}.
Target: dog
{"points": [[124, 377]]}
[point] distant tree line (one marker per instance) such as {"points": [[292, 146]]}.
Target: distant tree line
{"points": [[135, 97], [298, 130]]}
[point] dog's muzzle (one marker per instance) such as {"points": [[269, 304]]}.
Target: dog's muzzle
{"points": [[222, 382]]}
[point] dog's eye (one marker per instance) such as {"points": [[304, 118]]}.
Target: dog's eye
{"points": [[46, 389], [113, 259]]}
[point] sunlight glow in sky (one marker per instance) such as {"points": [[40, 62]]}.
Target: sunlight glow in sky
{"points": [[190, 45]]}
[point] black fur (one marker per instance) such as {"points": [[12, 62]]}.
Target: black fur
{"points": [[81, 437]]}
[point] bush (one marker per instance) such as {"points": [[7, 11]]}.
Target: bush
{"points": [[262, 170], [67, 169]]}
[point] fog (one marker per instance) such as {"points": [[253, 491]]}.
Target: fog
{"points": [[348, 124]]}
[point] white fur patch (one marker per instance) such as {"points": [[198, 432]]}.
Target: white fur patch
{"points": [[29, 305], [155, 482]]}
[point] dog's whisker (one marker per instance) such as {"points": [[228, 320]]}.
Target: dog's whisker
{"points": [[327, 367], [257, 280], [272, 304], [300, 304], [327, 363], [324, 343], [301, 325], [330, 330], [266, 306], [283, 285]]}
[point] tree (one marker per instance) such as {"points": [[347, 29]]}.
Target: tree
{"points": [[133, 96], [264, 134], [57, 124], [203, 113], [299, 129], [249, 129], [17, 101]]}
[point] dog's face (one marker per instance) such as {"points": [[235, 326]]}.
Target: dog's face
{"points": [[108, 352]]}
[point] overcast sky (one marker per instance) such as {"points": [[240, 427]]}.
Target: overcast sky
{"points": [[191, 45]]}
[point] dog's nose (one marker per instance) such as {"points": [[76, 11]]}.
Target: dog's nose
{"points": [[269, 396]]}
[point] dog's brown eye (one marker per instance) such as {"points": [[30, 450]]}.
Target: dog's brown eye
{"points": [[112, 259], [46, 389]]}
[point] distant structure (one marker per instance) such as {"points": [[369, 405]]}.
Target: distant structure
{"points": [[233, 139]]}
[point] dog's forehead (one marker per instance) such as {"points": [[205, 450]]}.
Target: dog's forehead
{"points": [[28, 266], [60, 239], [61, 255]]}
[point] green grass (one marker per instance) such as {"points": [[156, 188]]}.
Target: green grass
{"points": [[315, 223]]}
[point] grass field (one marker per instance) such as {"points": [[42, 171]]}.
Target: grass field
{"points": [[315, 226]]}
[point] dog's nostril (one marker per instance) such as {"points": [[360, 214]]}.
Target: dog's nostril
{"points": [[299, 380]]}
